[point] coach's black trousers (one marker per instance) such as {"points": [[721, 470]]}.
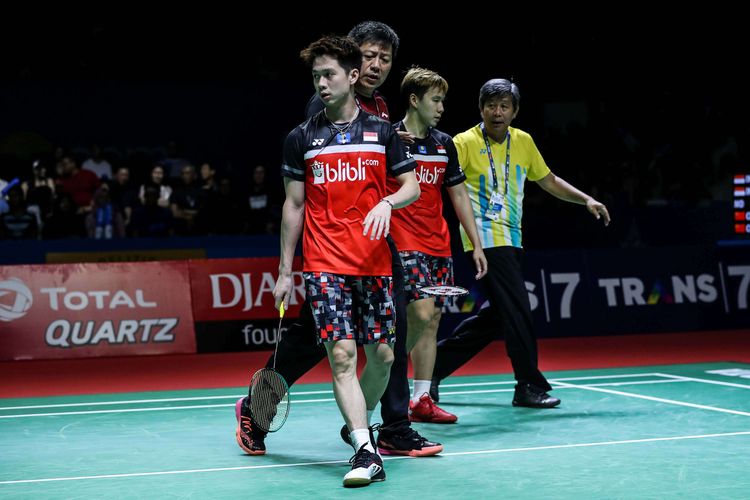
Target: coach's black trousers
{"points": [[299, 352], [508, 316]]}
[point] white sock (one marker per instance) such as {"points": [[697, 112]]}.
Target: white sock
{"points": [[369, 416], [360, 437], [420, 387]]}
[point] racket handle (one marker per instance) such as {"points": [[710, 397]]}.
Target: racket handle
{"points": [[281, 309]]}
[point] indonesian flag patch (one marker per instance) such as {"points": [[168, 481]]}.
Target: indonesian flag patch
{"points": [[441, 149], [370, 136]]}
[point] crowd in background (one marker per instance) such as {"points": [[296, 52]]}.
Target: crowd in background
{"points": [[631, 120], [107, 196], [666, 180]]}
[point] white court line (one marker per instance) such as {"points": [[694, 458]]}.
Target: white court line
{"points": [[617, 384], [590, 377], [304, 401], [659, 400], [453, 454], [595, 377], [138, 401], [566, 386], [130, 410], [118, 410], [294, 394], [704, 380]]}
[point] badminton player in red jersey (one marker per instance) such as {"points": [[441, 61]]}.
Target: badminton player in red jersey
{"points": [[421, 233], [334, 168], [298, 350]]}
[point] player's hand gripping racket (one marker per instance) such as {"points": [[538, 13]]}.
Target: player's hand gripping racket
{"points": [[269, 393], [444, 290]]}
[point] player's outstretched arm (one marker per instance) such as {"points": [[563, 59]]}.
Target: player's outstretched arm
{"points": [[559, 188]]}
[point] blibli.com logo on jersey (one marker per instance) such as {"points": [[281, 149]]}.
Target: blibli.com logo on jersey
{"points": [[342, 172], [429, 175]]}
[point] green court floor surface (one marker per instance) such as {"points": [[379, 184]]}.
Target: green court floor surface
{"points": [[676, 431]]}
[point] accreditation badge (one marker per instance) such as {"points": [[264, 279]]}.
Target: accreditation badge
{"points": [[496, 206]]}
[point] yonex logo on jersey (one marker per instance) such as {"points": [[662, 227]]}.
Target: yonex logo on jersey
{"points": [[429, 175], [317, 142], [422, 149], [342, 172], [20, 299], [483, 151]]}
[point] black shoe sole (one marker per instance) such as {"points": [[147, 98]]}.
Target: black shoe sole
{"points": [[534, 405]]}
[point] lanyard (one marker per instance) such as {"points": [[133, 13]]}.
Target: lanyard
{"points": [[492, 161]]}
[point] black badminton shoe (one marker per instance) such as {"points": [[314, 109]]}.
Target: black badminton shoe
{"points": [[249, 437], [531, 396], [406, 441]]}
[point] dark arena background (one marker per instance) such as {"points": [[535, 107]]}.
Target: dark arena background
{"points": [[121, 358]]}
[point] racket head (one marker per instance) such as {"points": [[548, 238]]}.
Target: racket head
{"points": [[444, 290], [269, 400]]}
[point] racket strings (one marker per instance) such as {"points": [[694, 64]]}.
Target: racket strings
{"points": [[269, 401], [269, 392], [444, 290]]}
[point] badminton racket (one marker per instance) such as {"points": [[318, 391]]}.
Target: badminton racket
{"points": [[444, 290], [269, 392]]}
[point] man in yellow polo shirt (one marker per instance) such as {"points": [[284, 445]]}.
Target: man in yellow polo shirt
{"points": [[497, 160]]}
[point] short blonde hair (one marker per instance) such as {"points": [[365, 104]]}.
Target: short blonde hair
{"points": [[419, 81]]}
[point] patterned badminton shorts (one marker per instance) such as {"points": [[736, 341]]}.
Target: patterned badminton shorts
{"points": [[352, 307], [421, 270]]}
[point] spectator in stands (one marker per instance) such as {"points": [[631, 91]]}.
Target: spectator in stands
{"points": [[261, 204], [151, 220], [3, 202], [97, 164], [123, 194], [157, 180], [208, 178], [39, 192], [18, 223], [104, 222], [79, 184], [186, 201]]}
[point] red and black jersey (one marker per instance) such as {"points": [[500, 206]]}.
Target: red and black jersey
{"points": [[421, 226], [374, 105], [345, 177]]}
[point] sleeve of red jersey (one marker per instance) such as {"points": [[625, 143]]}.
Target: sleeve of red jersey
{"points": [[453, 173], [293, 163], [397, 154]]}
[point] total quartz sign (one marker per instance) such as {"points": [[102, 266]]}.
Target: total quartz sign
{"points": [[101, 309]]}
